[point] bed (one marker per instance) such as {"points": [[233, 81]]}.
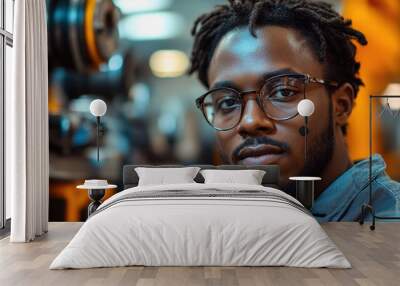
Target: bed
{"points": [[199, 224]]}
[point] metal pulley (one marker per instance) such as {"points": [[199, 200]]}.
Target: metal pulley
{"points": [[82, 34]]}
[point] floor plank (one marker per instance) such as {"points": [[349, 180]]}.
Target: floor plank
{"points": [[375, 257]]}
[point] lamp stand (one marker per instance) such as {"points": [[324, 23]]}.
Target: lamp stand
{"points": [[305, 138], [97, 139]]}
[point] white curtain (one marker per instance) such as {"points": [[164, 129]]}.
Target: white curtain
{"points": [[27, 155]]}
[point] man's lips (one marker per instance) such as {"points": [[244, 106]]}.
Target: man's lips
{"points": [[259, 154]]}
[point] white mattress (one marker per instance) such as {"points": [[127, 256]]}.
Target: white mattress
{"points": [[202, 231]]}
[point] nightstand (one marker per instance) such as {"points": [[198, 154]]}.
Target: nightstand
{"points": [[305, 190], [96, 190]]}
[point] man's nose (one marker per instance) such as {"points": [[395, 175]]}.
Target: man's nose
{"points": [[254, 121]]}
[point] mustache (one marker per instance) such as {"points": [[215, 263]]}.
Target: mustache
{"points": [[254, 141]]}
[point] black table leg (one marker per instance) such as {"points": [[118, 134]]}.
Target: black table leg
{"points": [[95, 196], [305, 193]]}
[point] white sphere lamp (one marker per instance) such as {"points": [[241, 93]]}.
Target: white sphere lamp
{"points": [[305, 107], [98, 108]]}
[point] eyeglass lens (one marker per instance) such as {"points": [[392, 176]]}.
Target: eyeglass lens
{"points": [[278, 97]]}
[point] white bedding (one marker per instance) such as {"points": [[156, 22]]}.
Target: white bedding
{"points": [[207, 230]]}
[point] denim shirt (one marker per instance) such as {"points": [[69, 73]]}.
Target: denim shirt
{"points": [[343, 199]]}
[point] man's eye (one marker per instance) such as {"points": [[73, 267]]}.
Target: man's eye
{"points": [[282, 94], [227, 104]]}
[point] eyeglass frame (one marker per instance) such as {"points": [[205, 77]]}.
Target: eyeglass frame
{"points": [[307, 80]]}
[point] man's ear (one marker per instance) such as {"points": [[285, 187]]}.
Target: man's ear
{"points": [[343, 103]]}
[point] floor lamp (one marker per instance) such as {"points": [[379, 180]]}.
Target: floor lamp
{"points": [[305, 108], [305, 184], [368, 207], [96, 188], [98, 108]]}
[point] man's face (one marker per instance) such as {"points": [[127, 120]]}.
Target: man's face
{"points": [[242, 61]]}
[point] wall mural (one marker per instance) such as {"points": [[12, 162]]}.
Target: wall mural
{"points": [[135, 55]]}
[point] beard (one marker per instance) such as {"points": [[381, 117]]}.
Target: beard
{"points": [[319, 154]]}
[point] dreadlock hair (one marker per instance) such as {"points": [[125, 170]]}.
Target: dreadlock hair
{"points": [[328, 33]]}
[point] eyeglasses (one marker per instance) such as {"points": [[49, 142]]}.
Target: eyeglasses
{"points": [[278, 97]]}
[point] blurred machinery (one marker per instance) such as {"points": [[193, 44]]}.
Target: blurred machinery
{"points": [[87, 60], [106, 83], [82, 37], [82, 34]]}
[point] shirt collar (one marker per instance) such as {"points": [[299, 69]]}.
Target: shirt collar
{"points": [[335, 199]]}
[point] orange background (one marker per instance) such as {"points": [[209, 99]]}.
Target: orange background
{"points": [[379, 20]]}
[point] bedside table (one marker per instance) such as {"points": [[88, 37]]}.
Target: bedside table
{"points": [[96, 190], [305, 190]]}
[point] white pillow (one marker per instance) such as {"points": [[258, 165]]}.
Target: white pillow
{"points": [[163, 176], [248, 177]]}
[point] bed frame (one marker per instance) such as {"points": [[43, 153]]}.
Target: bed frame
{"points": [[270, 179]]}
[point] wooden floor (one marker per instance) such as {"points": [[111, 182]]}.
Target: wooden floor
{"points": [[375, 257]]}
